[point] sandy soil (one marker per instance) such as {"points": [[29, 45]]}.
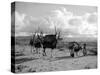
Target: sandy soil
{"points": [[61, 61]]}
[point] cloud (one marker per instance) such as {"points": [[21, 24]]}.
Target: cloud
{"points": [[19, 20], [28, 24], [75, 21], [85, 25], [92, 19], [89, 25], [69, 24], [65, 19]]}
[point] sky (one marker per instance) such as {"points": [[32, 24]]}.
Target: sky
{"points": [[70, 20]]}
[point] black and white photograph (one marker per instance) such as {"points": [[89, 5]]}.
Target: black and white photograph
{"points": [[48, 37]]}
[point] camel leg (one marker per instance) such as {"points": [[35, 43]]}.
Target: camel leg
{"points": [[72, 53], [44, 53], [31, 50], [76, 54], [36, 50], [51, 54], [39, 50], [84, 52]]}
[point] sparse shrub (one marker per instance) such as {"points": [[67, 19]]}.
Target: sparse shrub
{"points": [[87, 67], [31, 70], [20, 68]]}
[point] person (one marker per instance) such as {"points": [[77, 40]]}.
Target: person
{"points": [[84, 49]]}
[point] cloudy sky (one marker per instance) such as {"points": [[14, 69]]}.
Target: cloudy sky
{"points": [[71, 20]]}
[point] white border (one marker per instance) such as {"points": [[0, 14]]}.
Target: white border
{"points": [[5, 27]]}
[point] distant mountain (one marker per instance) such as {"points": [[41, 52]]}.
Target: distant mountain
{"points": [[23, 37], [85, 39]]}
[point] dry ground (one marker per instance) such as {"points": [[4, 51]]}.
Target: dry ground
{"points": [[61, 61]]}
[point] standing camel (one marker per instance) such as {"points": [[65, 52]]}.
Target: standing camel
{"points": [[74, 48], [35, 42]]}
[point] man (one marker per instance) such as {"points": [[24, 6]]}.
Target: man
{"points": [[84, 49]]}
